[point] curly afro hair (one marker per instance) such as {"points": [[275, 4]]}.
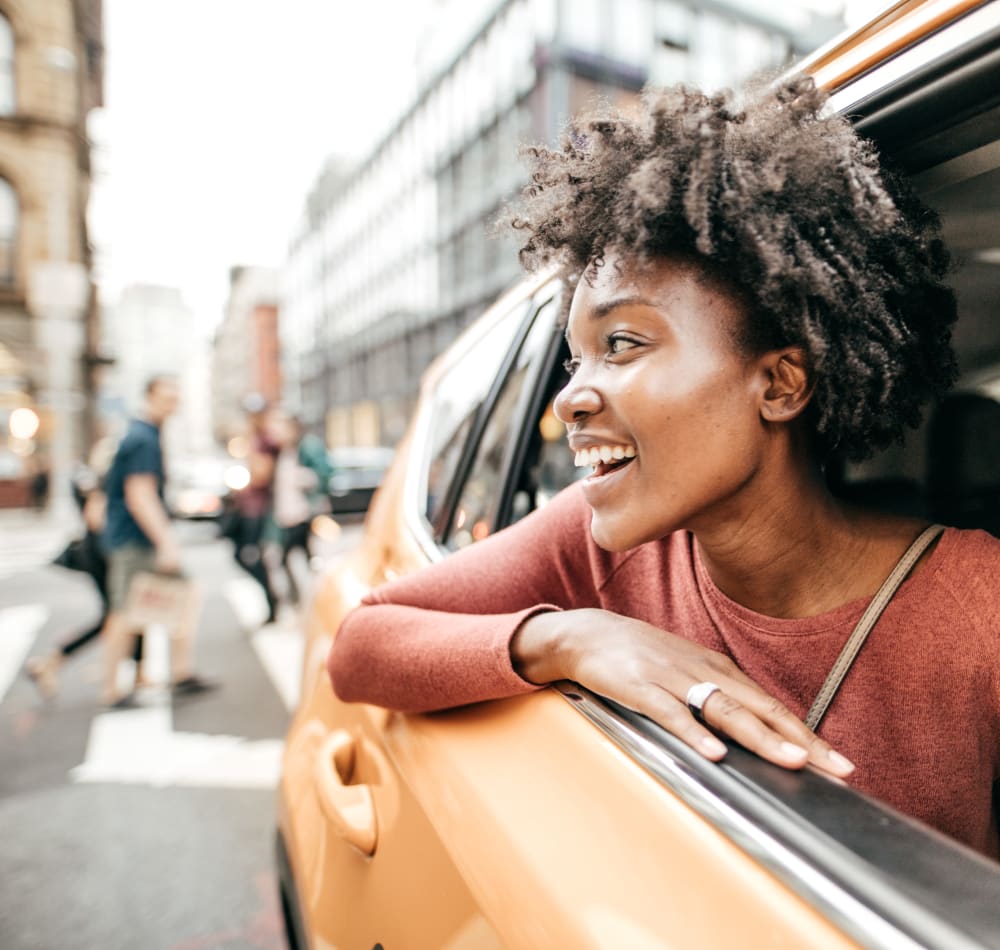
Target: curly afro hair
{"points": [[828, 249]]}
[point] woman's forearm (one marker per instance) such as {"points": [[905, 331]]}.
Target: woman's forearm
{"points": [[416, 660]]}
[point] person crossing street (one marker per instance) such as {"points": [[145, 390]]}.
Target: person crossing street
{"points": [[140, 539]]}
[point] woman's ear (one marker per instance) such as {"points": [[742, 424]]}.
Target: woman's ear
{"points": [[789, 384]]}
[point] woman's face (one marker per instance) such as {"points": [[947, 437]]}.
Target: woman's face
{"points": [[661, 389]]}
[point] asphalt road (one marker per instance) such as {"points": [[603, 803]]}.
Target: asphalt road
{"points": [[148, 828]]}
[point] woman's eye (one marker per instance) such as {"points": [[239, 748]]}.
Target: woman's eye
{"points": [[571, 365], [620, 344]]}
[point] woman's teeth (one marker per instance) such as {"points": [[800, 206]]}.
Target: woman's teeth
{"points": [[603, 453]]}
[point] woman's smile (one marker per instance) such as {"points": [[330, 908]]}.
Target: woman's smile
{"points": [[606, 455]]}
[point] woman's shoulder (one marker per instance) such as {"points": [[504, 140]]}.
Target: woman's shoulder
{"points": [[970, 550], [967, 564]]}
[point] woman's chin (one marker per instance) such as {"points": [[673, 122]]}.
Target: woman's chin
{"points": [[610, 535]]}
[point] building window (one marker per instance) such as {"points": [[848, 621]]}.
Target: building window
{"points": [[8, 233], [7, 97]]}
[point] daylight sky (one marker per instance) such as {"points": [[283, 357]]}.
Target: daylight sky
{"points": [[218, 115]]}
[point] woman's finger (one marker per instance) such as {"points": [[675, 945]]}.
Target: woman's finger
{"points": [[729, 716], [665, 703], [673, 715], [786, 724]]}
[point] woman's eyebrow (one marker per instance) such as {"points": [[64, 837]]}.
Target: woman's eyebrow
{"points": [[603, 309]]}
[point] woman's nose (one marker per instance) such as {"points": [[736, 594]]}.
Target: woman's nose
{"points": [[576, 400]]}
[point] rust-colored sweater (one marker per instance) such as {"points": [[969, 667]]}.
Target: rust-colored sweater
{"points": [[917, 713]]}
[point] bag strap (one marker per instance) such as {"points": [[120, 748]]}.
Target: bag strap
{"points": [[868, 620]]}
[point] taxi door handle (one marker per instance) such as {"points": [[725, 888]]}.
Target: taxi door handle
{"points": [[349, 808]]}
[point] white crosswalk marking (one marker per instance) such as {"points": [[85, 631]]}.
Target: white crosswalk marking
{"points": [[29, 557], [29, 540], [247, 600], [280, 653], [278, 648], [139, 747], [18, 628]]}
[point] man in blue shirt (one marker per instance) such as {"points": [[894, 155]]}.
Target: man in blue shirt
{"points": [[139, 538]]}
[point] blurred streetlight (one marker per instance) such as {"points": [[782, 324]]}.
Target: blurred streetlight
{"points": [[23, 423], [237, 477]]}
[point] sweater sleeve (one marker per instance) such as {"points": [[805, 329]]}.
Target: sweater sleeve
{"points": [[440, 637]]}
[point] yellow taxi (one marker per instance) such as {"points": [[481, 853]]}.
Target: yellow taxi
{"points": [[560, 819]]}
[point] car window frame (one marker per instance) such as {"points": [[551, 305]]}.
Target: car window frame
{"points": [[943, 78], [884, 879], [533, 403], [514, 316], [549, 297], [426, 534], [539, 301]]}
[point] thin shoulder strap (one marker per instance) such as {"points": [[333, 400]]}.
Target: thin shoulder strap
{"points": [[868, 620]]}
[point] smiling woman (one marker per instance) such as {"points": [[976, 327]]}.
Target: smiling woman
{"points": [[753, 292]]}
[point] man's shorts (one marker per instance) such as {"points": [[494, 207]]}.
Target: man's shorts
{"points": [[123, 564]]}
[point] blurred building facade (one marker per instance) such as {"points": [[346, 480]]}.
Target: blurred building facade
{"points": [[152, 331], [392, 259], [51, 76], [246, 355]]}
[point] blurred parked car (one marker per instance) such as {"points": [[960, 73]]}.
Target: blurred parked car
{"points": [[357, 471], [559, 819], [197, 488]]}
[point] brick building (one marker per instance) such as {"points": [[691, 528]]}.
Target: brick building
{"points": [[246, 355], [51, 58]]}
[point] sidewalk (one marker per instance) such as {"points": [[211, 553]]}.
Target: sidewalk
{"points": [[30, 539]]}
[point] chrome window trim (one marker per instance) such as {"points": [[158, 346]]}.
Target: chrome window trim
{"points": [[861, 919], [966, 29], [416, 478]]}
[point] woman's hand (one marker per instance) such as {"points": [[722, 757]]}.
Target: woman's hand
{"points": [[650, 671]]}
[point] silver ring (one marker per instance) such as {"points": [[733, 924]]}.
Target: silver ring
{"points": [[697, 695]]}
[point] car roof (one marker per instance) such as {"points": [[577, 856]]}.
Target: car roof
{"points": [[892, 30]]}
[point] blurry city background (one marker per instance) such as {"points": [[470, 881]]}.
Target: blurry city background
{"points": [[292, 199]]}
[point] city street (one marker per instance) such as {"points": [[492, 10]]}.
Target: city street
{"points": [[150, 827]]}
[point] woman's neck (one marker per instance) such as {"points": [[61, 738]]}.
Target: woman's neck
{"points": [[795, 551]]}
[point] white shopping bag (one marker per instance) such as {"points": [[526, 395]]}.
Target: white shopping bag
{"points": [[155, 598]]}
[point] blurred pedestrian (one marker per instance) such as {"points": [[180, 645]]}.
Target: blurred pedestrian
{"points": [[255, 502], [85, 554], [140, 539], [302, 472]]}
